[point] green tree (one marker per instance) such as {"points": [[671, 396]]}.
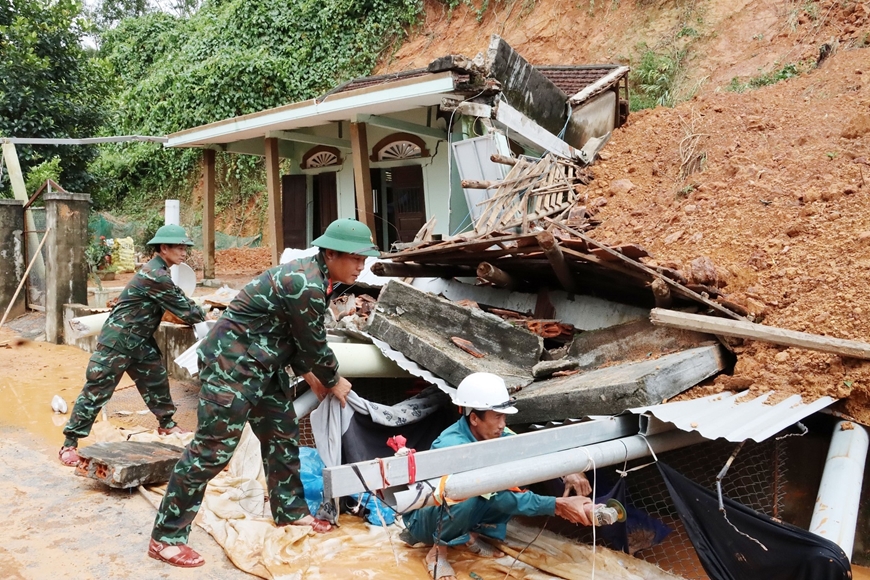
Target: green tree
{"points": [[50, 86]]}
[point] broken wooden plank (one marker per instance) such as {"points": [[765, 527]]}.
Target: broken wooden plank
{"points": [[420, 325], [124, 464], [342, 480], [775, 335], [614, 389], [554, 254]]}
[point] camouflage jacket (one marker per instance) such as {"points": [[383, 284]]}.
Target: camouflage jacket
{"points": [[132, 322], [275, 321]]}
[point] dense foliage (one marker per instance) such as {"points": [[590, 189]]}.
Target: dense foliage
{"points": [[50, 86], [231, 58]]}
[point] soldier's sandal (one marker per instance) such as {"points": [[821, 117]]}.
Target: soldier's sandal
{"points": [[69, 456], [186, 557]]}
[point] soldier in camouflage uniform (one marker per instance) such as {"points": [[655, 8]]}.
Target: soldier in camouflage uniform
{"points": [[126, 343], [276, 321]]}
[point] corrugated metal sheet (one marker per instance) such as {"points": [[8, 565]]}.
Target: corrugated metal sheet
{"points": [[412, 367], [732, 416]]}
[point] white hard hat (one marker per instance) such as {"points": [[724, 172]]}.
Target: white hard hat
{"points": [[484, 392]]}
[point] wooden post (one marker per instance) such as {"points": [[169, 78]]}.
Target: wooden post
{"points": [[273, 188], [208, 202], [496, 276], [362, 178], [551, 248]]}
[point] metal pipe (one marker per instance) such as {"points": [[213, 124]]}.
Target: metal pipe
{"points": [[836, 513], [541, 468]]}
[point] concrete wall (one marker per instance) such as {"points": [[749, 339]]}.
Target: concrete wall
{"points": [[12, 263], [526, 88], [66, 265], [435, 174], [594, 118]]}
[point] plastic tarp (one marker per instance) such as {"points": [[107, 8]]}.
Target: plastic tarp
{"points": [[749, 545]]}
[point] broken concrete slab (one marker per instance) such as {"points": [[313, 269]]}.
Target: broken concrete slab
{"points": [[583, 312], [611, 390], [632, 341], [421, 326], [124, 464]]}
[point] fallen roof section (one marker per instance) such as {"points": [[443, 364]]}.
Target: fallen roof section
{"points": [[732, 416]]}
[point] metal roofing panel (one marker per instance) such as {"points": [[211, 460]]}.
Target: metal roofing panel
{"points": [[733, 416]]}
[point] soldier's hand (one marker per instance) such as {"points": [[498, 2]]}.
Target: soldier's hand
{"points": [[578, 483], [576, 509], [340, 390], [319, 390]]}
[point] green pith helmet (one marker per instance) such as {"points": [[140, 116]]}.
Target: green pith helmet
{"points": [[170, 234], [350, 236]]}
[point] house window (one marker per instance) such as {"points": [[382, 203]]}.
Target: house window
{"points": [[321, 156], [399, 146]]}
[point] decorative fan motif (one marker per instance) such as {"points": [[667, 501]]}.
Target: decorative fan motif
{"points": [[399, 150], [322, 159]]}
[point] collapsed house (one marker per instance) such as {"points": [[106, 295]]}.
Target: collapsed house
{"points": [[526, 292]]}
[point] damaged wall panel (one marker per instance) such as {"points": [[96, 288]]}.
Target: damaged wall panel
{"points": [[631, 342], [421, 326], [611, 390], [584, 312], [525, 87]]}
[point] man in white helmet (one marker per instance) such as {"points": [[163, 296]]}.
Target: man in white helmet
{"points": [[485, 401]]}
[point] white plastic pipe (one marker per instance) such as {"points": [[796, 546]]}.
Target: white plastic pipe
{"points": [[85, 326], [173, 213], [836, 513], [543, 467]]}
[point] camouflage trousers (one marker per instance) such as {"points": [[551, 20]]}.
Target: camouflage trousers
{"points": [[104, 372], [221, 417]]}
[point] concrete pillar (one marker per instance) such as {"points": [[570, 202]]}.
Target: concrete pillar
{"points": [[66, 265], [12, 262]]}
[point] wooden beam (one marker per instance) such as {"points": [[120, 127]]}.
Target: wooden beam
{"points": [[495, 275], [208, 203], [551, 248], [404, 126], [19, 191], [503, 159], [407, 270], [342, 480], [299, 137], [741, 329], [273, 188], [362, 177], [478, 184]]}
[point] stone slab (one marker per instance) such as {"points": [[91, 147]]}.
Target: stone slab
{"points": [[123, 464], [612, 390]]}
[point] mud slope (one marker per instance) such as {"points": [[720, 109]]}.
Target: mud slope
{"points": [[723, 38]]}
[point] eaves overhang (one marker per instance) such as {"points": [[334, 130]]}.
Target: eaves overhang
{"points": [[381, 99]]}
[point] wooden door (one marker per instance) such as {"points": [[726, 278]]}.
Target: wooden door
{"points": [[293, 194], [325, 201], [409, 204]]}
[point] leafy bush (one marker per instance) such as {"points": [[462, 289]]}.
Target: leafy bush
{"points": [[653, 80], [181, 73], [787, 71]]}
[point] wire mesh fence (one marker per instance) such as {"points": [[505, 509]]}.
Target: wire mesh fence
{"points": [[757, 479]]}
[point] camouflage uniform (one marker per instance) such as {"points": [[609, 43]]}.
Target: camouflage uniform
{"points": [[127, 343], [275, 321]]}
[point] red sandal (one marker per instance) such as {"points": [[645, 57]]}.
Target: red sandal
{"points": [[186, 557], [319, 526], [69, 456]]}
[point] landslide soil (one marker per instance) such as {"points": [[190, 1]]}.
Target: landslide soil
{"points": [[781, 200]]}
